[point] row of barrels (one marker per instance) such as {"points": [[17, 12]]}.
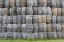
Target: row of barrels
{"points": [[31, 19], [30, 3], [31, 11], [31, 28], [34, 36]]}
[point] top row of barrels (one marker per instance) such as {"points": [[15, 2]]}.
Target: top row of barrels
{"points": [[31, 3]]}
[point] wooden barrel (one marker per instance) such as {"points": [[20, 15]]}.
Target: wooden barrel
{"points": [[24, 35], [44, 10], [39, 10], [28, 19], [44, 35], [29, 3], [23, 28], [35, 10], [19, 35], [62, 27], [49, 35], [48, 3], [59, 11], [30, 35], [14, 35], [14, 19], [19, 29], [54, 35], [1, 11], [58, 26], [54, 19], [1, 27], [49, 28], [12, 3], [23, 3], [49, 11], [58, 3], [19, 10], [29, 11], [5, 11], [48, 19], [7, 3], [24, 19], [58, 19], [40, 3], [44, 27], [34, 19], [23, 10], [62, 4], [1, 19], [14, 27], [35, 35], [0, 35], [35, 27], [18, 3], [40, 35], [4, 35], [29, 28], [4, 19], [1, 3], [54, 11], [53, 27], [44, 3], [35, 2], [39, 19], [9, 28], [19, 17], [43, 18], [62, 11], [40, 28], [53, 3], [59, 35], [62, 34]]}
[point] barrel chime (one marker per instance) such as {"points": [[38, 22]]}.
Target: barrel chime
{"points": [[36, 19]]}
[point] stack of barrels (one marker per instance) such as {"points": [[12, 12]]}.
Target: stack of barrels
{"points": [[36, 19]]}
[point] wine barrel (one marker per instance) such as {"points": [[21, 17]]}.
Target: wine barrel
{"points": [[28, 19], [9, 35], [14, 27], [44, 3], [35, 35], [62, 19], [18, 3], [19, 35], [23, 3], [62, 27], [29, 11], [1, 3], [23, 28], [58, 3], [1, 11], [58, 19], [54, 19], [40, 35], [19, 19], [62, 4], [23, 10], [35, 27], [59, 11], [35, 2], [59, 35], [39, 10], [54, 11], [4, 19], [44, 35], [49, 3], [9, 28], [1, 35], [24, 19], [4, 35], [49, 35], [62, 34], [53, 27], [44, 27], [19, 10], [40, 28], [53, 3], [14, 35], [1, 19], [12, 3], [44, 11], [48, 19], [43, 18], [49, 28], [40, 3], [24, 35], [1, 27], [7, 3], [49, 11], [35, 10], [54, 35], [9, 20], [34, 19], [39, 19], [62, 11], [29, 3], [14, 19], [29, 28]]}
